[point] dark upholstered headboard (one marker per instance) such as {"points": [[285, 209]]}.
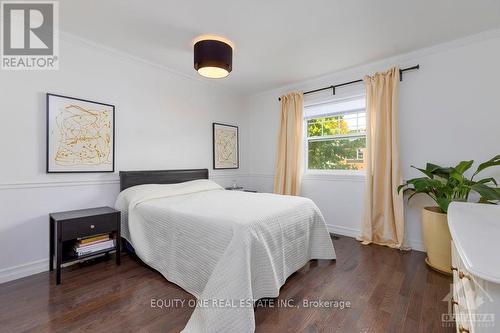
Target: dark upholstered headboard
{"points": [[133, 178]]}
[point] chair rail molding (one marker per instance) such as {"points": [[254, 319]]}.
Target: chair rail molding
{"points": [[57, 183]]}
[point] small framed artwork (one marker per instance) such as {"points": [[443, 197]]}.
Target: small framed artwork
{"points": [[225, 146], [80, 135]]}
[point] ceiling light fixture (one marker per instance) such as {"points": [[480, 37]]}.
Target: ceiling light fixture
{"points": [[213, 57]]}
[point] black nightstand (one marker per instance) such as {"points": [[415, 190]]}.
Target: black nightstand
{"points": [[67, 227]]}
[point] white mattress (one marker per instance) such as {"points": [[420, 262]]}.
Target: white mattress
{"points": [[227, 248]]}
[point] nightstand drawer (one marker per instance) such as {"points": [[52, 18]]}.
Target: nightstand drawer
{"points": [[88, 226]]}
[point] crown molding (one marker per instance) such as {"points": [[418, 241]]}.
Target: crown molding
{"points": [[402, 59], [89, 44], [71, 38]]}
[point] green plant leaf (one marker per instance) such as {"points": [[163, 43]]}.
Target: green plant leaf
{"points": [[494, 161], [412, 195], [432, 167], [488, 193], [447, 184], [425, 184], [457, 176], [487, 180], [424, 171], [400, 187], [463, 166], [439, 171], [484, 201], [443, 203]]}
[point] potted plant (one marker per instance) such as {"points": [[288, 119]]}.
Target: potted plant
{"points": [[445, 185]]}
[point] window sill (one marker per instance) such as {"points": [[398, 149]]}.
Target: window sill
{"points": [[335, 175]]}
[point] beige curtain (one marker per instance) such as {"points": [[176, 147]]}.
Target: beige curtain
{"points": [[383, 217], [288, 173]]}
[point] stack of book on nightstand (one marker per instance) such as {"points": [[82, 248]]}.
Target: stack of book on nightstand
{"points": [[89, 245]]}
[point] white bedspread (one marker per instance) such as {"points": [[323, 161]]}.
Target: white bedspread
{"points": [[227, 248]]}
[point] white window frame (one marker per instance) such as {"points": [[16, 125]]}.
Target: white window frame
{"points": [[311, 174]]}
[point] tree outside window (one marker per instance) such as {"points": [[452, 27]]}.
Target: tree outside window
{"points": [[337, 142]]}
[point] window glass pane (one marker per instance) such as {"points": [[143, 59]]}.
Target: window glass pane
{"points": [[337, 154], [314, 127], [351, 122], [342, 125], [362, 122], [330, 126], [337, 125]]}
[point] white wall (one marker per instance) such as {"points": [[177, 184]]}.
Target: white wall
{"points": [[163, 121], [449, 111]]}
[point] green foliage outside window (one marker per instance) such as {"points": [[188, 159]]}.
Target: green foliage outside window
{"points": [[327, 126], [343, 153]]}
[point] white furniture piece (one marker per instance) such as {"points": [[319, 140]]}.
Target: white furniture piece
{"points": [[475, 233]]}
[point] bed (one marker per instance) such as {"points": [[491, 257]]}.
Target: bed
{"points": [[227, 248]]}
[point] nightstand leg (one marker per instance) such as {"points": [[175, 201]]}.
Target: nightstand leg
{"points": [[51, 251], [118, 239], [58, 262], [118, 251]]}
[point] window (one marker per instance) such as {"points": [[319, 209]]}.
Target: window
{"points": [[336, 135]]}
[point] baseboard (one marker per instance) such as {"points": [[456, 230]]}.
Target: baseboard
{"points": [[20, 271], [416, 245], [344, 231]]}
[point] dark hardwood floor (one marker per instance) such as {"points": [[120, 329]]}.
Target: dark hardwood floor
{"points": [[389, 291]]}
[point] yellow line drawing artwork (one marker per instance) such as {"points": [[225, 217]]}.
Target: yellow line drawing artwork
{"points": [[226, 147], [85, 136]]}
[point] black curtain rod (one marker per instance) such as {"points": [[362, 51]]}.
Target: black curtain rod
{"points": [[401, 71]]}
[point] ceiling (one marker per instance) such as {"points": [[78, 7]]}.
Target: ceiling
{"points": [[276, 42]]}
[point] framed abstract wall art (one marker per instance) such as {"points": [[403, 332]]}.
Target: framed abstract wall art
{"points": [[225, 146], [80, 135]]}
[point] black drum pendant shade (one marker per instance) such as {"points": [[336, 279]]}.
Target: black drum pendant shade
{"points": [[213, 58]]}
